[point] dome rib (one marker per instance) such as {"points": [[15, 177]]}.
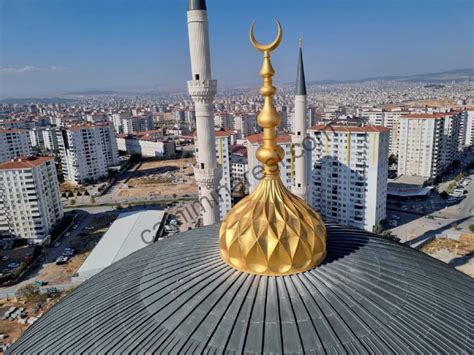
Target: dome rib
{"points": [[370, 295]]}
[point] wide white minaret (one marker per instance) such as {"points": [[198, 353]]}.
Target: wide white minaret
{"points": [[301, 184], [202, 90]]}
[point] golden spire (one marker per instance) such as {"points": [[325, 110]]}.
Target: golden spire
{"points": [[271, 231]]}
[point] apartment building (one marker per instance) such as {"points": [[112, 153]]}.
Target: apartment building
{"points": [[349, 174], [255, 167], [44, 138], [14, 143], [146, 144], [136, 124], [224, 139], [469, 130], [246, 124], [87, 151], [429, 142], [30, 202], [224, 120]]}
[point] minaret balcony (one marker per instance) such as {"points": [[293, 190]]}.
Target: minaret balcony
{"points": [[209, 177], [202, 89]]}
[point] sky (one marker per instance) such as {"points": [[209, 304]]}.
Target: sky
{"points": [[50, 47]]}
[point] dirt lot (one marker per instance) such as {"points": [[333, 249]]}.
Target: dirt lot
{"points": [[458, 254], [160, 178], [12, 329], [83, 244], [433, 102]]}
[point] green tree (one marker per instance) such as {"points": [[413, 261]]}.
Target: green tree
{"points": [[135, 158], [72, 202], [471, 228], [92, 199], [29, 292], [392, 159]]}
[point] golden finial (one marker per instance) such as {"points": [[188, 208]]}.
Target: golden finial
{"points": [[271, 231]]}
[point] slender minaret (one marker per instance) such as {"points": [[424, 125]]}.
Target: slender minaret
{"points": [[202, 90], [300, 187]]}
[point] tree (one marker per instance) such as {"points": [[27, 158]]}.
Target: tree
{"points": [[86, 193], [378, 229], [92, 199], [392, 159], [451, 186], [444, 194], [471, 228], [29, 292], [79, 193], [72, 202], [135, 158]]}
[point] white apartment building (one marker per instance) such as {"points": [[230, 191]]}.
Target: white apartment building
{"points": [[469, 130], [44, 138], [96, 117], [137, 124], [453, 137], [223, 139], [14, 143], [255, 167], [246, 124], [87, 151], [224, 120], [420, 140], [429, 142], [147, 146], [391, 120], [117, 118], [30, 202], [239, 172], [349, 174]]}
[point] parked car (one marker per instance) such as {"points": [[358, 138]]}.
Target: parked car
{"points": [[67, 234], [69, 252], [13, 265], [5, 257], [89, 228], [62, 260], [75, 226], [41, 283], [57, 244]]}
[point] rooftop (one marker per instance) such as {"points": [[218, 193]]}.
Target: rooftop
{"points": [[430, 115], [370, 295], [258, 138], [25, 163], [349, 129], [122, 238]]}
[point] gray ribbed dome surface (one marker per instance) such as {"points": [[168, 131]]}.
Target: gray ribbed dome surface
{"points": [[370, 295]]}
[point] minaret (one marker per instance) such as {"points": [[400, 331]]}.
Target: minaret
{"points": [[300, 187], [202, 90]]}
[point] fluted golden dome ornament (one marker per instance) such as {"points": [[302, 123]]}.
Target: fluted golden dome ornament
{"points": [[271, 231]]}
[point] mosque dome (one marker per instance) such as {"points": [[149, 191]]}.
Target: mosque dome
{"points": [[370, 295]]}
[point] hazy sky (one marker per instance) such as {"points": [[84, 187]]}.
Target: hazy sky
{"points": [[54, 46]]}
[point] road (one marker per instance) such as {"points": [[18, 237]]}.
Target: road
{"points": [[51, 254], [461, 215]]}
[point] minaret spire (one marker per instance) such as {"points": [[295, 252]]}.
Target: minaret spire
{"points": [[202, 90], [300, 79], [301, 184]]}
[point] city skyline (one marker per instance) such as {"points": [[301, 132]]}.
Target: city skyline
{"points": [[50, 47]]}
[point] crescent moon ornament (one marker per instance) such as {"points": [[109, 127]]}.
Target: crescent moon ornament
{"points": [[266, 47]]}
